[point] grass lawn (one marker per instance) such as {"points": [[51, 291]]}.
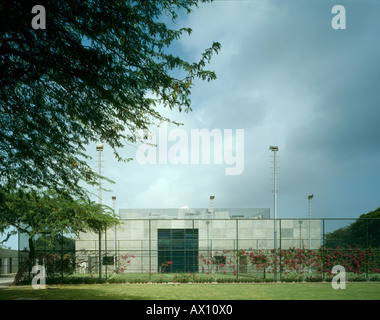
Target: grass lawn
{"points": [[230, 291]]}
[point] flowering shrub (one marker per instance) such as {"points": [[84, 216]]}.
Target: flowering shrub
{"points": [[165, 265], [124, 263], [246, 265], [356, 260], [259, 260], [56, 263], [293, 263]]}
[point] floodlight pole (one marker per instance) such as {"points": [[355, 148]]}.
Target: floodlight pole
{"points": [[275, 149], [99, 148]]}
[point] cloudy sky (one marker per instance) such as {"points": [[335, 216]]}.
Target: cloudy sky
{"points": [[287, 78]]}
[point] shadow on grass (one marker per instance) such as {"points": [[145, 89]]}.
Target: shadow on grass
{"points": [[66, 293]]}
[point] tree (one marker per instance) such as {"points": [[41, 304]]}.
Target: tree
{"points": [[49, 215], [98, 72], [364, 232]]}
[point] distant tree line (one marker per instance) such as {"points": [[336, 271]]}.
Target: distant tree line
{"points": [[364, 232]]}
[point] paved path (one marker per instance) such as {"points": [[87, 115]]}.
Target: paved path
{"points": [[6, 281]]}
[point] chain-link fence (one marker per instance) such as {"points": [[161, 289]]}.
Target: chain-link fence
{"points": [[219, 250]]}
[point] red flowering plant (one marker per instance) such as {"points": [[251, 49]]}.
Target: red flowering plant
{"points": [[243, 260], [56, 263], [298, 261], [219, 261], [230, 261], [205, 261], [165, 265], [373, 260], [125, 262], [355, 260], [258, 259]]}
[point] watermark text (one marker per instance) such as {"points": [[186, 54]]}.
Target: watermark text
{"points": [[202, 146]]}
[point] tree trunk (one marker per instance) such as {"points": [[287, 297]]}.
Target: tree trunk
{"points": [[21, 271], [31, 250], [30, 261]]}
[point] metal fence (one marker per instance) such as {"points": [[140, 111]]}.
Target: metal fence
{"points": [[184, 254]]}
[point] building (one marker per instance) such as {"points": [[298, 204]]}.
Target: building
{"points": [[9, 261], [182, 240]]}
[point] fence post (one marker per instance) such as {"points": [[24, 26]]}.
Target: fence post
{"points": [[237, 249], [192, 256], [150, 252], [366, 251], [280, 250], [106, 252], [100, 253], [323, 249], [62, 255]]}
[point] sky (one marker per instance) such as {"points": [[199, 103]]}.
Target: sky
{"points": [[286, 78]]}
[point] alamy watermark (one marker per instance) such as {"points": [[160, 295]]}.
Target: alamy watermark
{"points": [[39, 281], [178, 147], [339, 281], [337, 22], [39, 20]]}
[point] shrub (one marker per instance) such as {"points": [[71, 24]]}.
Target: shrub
{"points": [[182, 277]]}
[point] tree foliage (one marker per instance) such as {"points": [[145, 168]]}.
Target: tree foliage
{"points": [[45, 217], [364, 232], [50, 214], [98, 72]]}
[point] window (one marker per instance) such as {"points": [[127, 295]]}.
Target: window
{"points": [[180, 247]]}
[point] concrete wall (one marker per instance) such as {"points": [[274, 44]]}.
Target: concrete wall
{"points": [[138, 238], [8, 261]]}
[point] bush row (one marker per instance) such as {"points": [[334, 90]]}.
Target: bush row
{"points": [[187, 278]]}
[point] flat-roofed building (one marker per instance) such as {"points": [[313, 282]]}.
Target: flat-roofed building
{"points": [[190, 238]]}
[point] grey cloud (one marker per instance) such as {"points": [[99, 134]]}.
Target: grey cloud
{"points": [[287, 78]]}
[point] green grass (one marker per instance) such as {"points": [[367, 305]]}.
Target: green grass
{"points": [[257, 291], [197, 278]]}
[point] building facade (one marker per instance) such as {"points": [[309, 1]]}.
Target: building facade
{"points": [[187, 240], [9, 261]]}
